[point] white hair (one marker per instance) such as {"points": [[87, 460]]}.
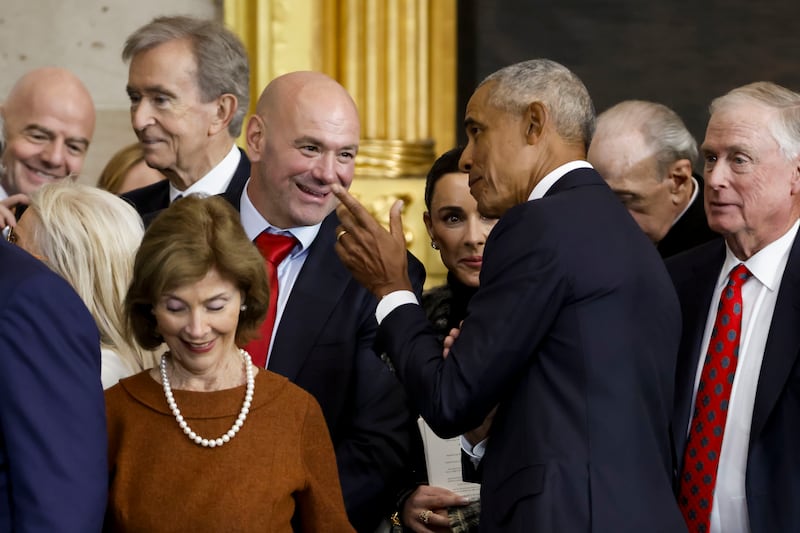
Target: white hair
{"points": [[785, 130]]}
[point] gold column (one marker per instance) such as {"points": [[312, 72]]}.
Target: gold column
{"points": [[280, 36], [397, 58]]}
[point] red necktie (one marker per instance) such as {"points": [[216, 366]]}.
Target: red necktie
{"points": [[274, 248], [704, 442]]}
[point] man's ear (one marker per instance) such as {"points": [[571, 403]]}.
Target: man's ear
{"points": [[226, 106], [535, 119], [796, 176], [254, 134], [679, 175]]}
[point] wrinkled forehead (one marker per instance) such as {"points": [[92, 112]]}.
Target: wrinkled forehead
{"points": [[744, 125]]}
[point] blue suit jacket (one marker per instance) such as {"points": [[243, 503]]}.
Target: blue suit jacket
{"points": [[150, 200], [325, 344], [53, 465], [573, 333], [772, 480]]}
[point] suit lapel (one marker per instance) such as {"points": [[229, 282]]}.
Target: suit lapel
{"points": [[314, 297], [233, 192], [783, 343]]}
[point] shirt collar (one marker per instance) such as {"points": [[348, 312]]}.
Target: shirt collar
{"points": [[254, 224], [767, 264], [553, 176], [217, 179]]}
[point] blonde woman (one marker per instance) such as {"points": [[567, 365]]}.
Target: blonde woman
{"points": [[90, 238]]}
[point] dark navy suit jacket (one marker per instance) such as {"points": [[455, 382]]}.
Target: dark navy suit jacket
{"points": [[151, 199], [772, 481], [53, 464], [573, 333], [325, 344]]}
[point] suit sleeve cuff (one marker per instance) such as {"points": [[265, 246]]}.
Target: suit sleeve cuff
{"points": [[475, 452], [392, 301]]}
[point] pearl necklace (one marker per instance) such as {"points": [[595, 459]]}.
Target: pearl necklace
{"points": [[226, 437]]}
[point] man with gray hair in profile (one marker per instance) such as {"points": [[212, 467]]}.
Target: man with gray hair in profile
{"points": [[188, 83], [646, 155], [572, 334]]}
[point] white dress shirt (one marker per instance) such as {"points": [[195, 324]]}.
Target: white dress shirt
{"points": [[290, 267], [217, 179], [759, 295]]}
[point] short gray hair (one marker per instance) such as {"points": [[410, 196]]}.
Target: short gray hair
{"points": [[551, 83], [222, 64], [785, 130], [661, 127]]}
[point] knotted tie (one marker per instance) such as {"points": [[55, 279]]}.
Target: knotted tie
{"points": [[274, 248], [704, 442]]}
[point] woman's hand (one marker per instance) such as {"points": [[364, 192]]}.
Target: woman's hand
{"points": [[429, 503], [450, 339]]}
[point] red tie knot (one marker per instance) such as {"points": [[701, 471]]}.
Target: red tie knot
{"points": [[275, 247], [739, 275]]}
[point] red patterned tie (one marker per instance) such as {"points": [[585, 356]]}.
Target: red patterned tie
{"points": [[274, 248], [700, 461]]}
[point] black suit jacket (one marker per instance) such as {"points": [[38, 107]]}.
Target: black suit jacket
{"points": [[53, 465], [573, 333], [324, 344], [151, 199], [772, 480], [690, 230]]}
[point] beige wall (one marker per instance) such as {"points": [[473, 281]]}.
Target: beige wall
{"points": [[85, 36]]}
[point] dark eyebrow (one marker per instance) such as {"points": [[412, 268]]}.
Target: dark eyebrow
{"points": [[450, 208], [50, 133]]}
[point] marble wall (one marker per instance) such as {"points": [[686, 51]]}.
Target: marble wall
{"points": [[85, 36]]}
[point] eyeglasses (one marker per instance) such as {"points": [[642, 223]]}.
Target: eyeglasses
{"points": [[11, 237]]}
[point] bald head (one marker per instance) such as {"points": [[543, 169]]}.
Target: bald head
{"points": [[302, 139], [288, 90], [49, 122]]}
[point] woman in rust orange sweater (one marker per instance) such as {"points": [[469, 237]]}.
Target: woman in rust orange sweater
{"points": [[206, 441]]}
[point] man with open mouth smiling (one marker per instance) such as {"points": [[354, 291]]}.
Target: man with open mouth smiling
{"points": [[49, 121], [302, 140]]}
